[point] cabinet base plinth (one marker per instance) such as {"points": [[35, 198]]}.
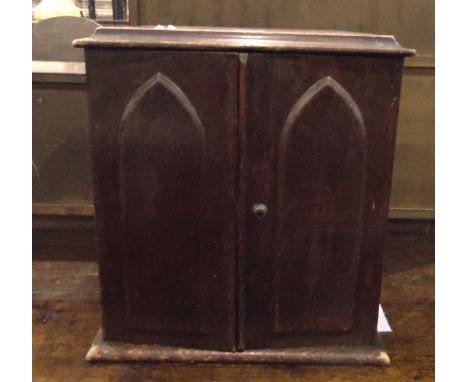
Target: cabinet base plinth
{"points": [[352, 355]]}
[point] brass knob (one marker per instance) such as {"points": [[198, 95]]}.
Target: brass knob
{"points": [[259, 211]]}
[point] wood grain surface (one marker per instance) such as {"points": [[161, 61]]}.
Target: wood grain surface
{"points": [[317, 149], [164, 148]]}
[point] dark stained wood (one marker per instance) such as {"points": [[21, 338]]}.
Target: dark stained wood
{"points": [[321, 172], [243, 39], [318, 152], [241, 197], [162, 183], [163, 128], [65, 315]]}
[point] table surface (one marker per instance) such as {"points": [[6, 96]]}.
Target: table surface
{"points": [[66, 317]]}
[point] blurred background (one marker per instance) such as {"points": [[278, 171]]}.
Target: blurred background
{"points": [[61, 168]]}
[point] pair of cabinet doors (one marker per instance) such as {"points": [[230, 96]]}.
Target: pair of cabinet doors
{"points": [[185, 144]]}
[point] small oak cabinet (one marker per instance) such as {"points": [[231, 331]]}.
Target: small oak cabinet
{"points": [[241, 185]]}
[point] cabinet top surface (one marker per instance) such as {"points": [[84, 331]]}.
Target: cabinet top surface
{"points": [[243, 39]]}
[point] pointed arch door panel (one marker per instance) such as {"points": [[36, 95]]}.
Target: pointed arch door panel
{"points": [[320, 179], [165, 162], [162, 176], [306, 152]]}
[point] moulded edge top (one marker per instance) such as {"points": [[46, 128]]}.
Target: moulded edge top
{"points": [[242, 39]]}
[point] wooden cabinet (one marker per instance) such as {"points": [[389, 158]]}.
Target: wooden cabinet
{"points": [[241, 183]]}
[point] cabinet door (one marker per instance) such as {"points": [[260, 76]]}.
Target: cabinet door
{"points": [[317, 139], [164, 144]]}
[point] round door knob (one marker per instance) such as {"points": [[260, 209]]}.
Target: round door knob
{"points": [[259, 211]]}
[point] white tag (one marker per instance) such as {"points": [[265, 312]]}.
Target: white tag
{"points": [[382, 323]]}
